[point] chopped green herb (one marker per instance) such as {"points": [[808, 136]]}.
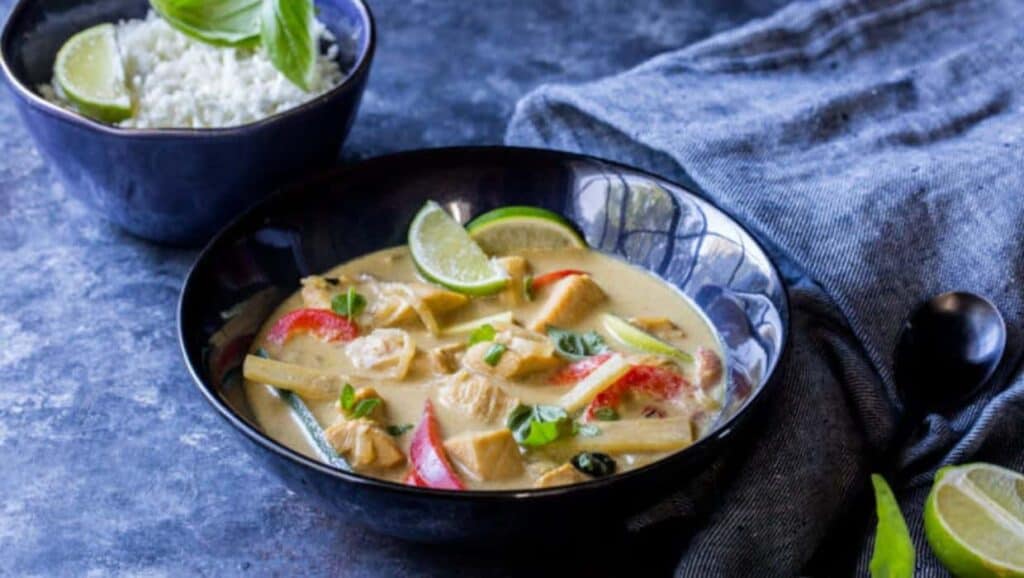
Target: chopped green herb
{"points": [[485, 332], [587, 430], [528, 287], [593, 464], [894, 551], [348, 398], [397, 430], [540, 425], [364, 407], [262, 353], [349, 303], [606, 414], [493, 355], [575, 346]]}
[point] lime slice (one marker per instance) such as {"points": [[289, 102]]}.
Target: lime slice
{"points": [[974, 520], [511, 229], [444, 254], [640, 340], [89, 71]]}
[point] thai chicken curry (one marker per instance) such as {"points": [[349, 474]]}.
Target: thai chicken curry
{"points": [[572, 365]]}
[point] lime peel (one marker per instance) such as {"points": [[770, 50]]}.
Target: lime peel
{"points": [[972, 530], [639, 340], [89, 71], [509, 230], [445, 254]]}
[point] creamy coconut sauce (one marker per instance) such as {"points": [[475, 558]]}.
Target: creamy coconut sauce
{"points": [[631, 293]]}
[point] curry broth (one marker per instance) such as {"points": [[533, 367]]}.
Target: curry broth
{"points": [[631, 291]]}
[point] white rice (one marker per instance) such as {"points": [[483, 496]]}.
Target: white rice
{"points": [[178, 82]]}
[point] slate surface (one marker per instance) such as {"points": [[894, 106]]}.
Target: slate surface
{"points": [[110, 463]]}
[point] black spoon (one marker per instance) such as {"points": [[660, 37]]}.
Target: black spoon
{"points": [[947, 349]]}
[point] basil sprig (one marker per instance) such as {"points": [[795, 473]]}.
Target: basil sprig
{"points": [[350, 304], [283, 27], [286, 31], [576, 346], [539, 425], [894, 551], [356, 409], [220, 22]]}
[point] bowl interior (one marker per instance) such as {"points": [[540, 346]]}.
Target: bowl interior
{"points": [[257, 261], [37, 29]]}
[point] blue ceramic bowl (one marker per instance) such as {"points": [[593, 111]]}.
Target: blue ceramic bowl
{"points": [[257, 261], [175, 185]]}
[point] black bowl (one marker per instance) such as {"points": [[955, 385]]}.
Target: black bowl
{"points": [[176, 185], [256, 261]]}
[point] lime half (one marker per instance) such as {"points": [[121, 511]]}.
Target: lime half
{"points": [[89, 71], [974, 520], [511, 229], [639, 340], [445, 254]]}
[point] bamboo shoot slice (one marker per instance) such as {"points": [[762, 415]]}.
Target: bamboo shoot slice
{"points": [[603, 377], [470, 326], [633, 436], [309, 383]]}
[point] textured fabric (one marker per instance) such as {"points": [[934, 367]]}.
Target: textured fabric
{"points": [[878, 149]]}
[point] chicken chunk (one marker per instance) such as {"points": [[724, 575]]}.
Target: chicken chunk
{"points": [[318, 291], [526, 352], [514, 293], [486, 456], [444, 359], [364, 444], [709, 367], [571, 299], [384, 353], [563, 475], [476, 397], [397, 304]]}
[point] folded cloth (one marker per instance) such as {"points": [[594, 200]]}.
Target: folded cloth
{"points": [[877, 148]]}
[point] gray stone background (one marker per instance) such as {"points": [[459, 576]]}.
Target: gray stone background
{"points": [[110, 462]]}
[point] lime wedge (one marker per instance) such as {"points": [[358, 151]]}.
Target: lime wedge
{"points": [[974, 520], [89, 71], [511, 229], [444, 254], [639, 340]]}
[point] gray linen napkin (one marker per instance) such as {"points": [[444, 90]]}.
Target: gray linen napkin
{"points": [[877, 147]]}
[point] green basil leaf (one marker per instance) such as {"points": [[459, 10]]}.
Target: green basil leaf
{"points": [[220, 22], [593, 464], [540, 425], [493, 355], [894, 551], [286, 30], [483, 333], [348, 397], [349, 303], [576, 346], [364, 407], [606, 414], [397, 430]]}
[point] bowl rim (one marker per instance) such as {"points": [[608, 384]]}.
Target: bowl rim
{"points": [[251, 432], [357, 74]]}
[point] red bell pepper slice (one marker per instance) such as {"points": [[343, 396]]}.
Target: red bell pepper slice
{"points": [[658, 382], [413, 479], [326, 325], [541, 281], [578, 370], [430, 465]]}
